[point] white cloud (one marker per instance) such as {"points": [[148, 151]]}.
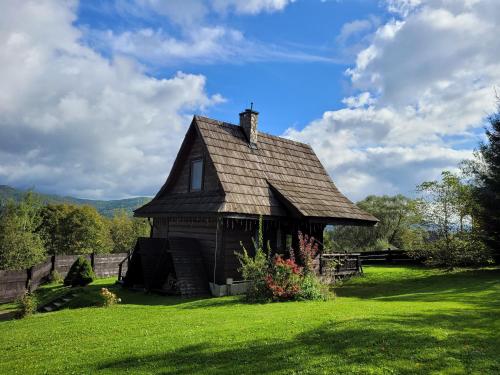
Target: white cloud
{"points": [[183, 12], [189, 12], [204, 44], [354, 28], [73, 121], [200, 45], [425, 79], [250, 6], [200, 35]]}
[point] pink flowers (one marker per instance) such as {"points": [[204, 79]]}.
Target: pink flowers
{"points": [[308, 250]]}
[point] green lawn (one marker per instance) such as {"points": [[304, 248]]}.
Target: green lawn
{"points": [[394, 320]]}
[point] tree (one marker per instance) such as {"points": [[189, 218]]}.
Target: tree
{"points": [[54, 227], [397, 215], [87, 231], [125, 230], [447, 207], [20, 246], [486, 170]]}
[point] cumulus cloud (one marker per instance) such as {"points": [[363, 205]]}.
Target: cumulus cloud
{"points": [[73, 121], [426, 77]]}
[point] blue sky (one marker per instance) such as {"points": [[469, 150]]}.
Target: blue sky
{"points": [[286, 91], [95, 97]]}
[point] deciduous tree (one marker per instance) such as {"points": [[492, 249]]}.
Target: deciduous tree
{"points": [[20, 246]]}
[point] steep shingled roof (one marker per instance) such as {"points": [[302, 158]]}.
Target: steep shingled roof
{"points": [[279, 175]]}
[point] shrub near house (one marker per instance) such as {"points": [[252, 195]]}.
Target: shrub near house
{"points": [[274, 278]]}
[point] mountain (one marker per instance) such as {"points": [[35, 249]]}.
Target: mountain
{"points": [[105, 207]]}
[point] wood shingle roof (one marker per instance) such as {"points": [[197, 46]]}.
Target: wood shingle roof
{"points": [[277, 177]]}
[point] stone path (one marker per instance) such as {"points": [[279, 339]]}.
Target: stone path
{"points": [[58, 303]]}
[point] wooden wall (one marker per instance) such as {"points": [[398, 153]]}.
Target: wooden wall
{"points": [[203, 230], [181, 182], [230, 235], [241, 232]]}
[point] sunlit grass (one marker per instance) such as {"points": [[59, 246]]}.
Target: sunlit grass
{"points": [[393, 320]]}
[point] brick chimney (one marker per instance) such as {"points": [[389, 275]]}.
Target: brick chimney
{"points": [[248, 122]]}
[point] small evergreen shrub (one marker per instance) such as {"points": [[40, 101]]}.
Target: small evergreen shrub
{"points": [[109, 298], [80, 273], [55, 277], [28, 304]]}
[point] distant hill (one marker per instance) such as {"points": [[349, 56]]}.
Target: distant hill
{"points": [[104, 207]]}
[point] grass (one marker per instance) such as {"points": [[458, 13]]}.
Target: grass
{"points": [[44, 294], [394, 320]]}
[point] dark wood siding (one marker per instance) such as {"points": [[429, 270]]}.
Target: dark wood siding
{"points": [[181, 182], [206, 234], [232, 239], [238, 234]]}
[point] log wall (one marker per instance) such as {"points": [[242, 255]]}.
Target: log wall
{"points": [[203, 230]]}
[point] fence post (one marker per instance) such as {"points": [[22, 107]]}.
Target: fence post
{"points": [[92, 261], [29, 272]]}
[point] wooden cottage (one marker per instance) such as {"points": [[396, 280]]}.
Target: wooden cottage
{"points": [[224, 177]]}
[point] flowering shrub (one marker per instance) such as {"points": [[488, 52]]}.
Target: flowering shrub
{"points": [[283, 279], [109, 298], [278, 279], [308, 250]]}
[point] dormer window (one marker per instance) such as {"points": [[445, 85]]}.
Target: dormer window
{"points": [[196, 175]]}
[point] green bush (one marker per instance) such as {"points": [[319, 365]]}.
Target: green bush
{"points": [[28, 304], [459, 250], [80, 273], [311, 289], [55, 277]]}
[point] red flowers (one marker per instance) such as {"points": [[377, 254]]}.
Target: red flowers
{"points": [[289, 263], [283, 278]]}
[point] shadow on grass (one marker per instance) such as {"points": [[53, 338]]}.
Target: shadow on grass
{"points": [[401, 344], [89, 296], [468, 286]]}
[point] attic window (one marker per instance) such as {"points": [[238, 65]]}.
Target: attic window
{"points": [[196, 180]]}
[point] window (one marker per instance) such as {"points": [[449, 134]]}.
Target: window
{"points": [[196, 182]]}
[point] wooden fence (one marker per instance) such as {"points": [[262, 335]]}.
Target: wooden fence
{"points": [[14, 284], [334, 266], [387, 256]]}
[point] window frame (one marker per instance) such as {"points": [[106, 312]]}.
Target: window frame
{"points": [[190, 182]]}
